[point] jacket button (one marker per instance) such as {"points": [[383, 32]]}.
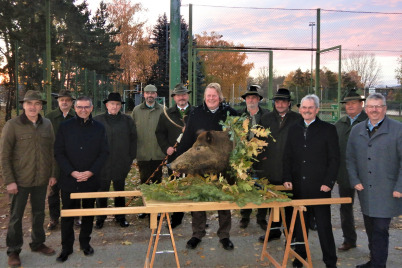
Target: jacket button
{"points": [[303, 177], [369, 172], [304, 161], [369, 158], [305, 146], [369, 145], [81, 148]]}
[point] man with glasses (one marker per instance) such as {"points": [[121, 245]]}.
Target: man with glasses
{"points": [[374, 163], [81, 149]]}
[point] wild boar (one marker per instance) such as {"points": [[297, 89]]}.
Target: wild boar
{"points": [[209, 154]]}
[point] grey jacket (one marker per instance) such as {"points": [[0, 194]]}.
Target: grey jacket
{"points": [[376, 163], [146, 121]]}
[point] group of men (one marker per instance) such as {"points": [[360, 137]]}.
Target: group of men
{"points": [[73, 152]]}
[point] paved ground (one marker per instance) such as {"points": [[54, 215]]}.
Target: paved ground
{"points": [[118, 247]]}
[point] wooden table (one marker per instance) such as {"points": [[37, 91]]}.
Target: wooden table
{"points": [[158, 207]]}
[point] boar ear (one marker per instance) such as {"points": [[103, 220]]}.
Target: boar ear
{"points": [[209, 137]]}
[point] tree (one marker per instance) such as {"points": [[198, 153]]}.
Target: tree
{"points": [[262, 79], [134, 48], [226, 68], [398, 70], [366, 66]]}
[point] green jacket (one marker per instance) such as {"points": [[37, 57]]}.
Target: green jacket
{"points": [[26, 152], [146, 121], [56, 117], [343, 128]]}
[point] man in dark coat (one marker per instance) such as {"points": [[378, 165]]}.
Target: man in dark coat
{"points": [[374, 163], [57, 116], [254, 112], [354, 115], [207, 117], [270, 160], [122, 139], [170, 126], [81, 150], [310, 167]]}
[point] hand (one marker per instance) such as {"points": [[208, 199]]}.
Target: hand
{"points": [[170, 150], [82, 176], [12, 188], [325, 188], [397, 194], [359, 187], [288, 185], [52, 181]]}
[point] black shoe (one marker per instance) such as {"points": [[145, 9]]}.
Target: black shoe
{"points": [[297, 264], [193, 243], [143, 215], [88, 251], [365, 265], [77, 221], [64, 255], [271, 238], [175, 223], [226, 243], [263, 224], [244, 223], [99, 224], [123, 222]]}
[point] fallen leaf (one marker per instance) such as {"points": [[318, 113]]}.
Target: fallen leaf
{"points": [[126, 243], [188, 262], [398, 248], [100, 262]]}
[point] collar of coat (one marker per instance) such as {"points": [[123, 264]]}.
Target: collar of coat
{"points": [[362, 116], [221, 107], [156, 106], [25, 120], [382, 130], [81, 120]]}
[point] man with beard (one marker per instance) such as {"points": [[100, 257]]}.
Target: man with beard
{"points": [[28, 167], [254, 112], [58, 115], [271, 162], [167, 132], [122, 139], [149, 154], [310, 168]]}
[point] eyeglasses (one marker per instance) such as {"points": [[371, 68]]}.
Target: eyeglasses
{"points": [[377, 107], [83, 107]]}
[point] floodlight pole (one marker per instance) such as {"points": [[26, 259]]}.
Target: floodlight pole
{"points": [[317, 54], [312, 24], [175, 53], [48, 80]]}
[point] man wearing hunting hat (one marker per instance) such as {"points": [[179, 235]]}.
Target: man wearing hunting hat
{"points": [[28, 167], [254, 112], [58, 115], [278, 121], [170, 125], [149, 154], [122, 139], [354, 115]]}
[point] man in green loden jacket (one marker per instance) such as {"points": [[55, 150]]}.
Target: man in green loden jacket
{"points": [[27, 162], [58, 115], [149, 154], [354, 115]]}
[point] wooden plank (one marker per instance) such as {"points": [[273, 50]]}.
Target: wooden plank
{"points": [[105, 194], [161, 207]]}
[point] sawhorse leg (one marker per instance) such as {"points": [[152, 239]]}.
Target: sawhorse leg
{"points": [[288, 251], [155, 242]]}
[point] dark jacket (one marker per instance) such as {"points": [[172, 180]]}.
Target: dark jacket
{"points": [[376, 163], [270, 159], [311, 158], [343, 128], [166, 132], [202, 119], [258, 115], [81, 147], [26, 152], [122, 140]]}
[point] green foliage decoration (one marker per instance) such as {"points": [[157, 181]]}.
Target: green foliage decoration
{"points": [[214, 187]]}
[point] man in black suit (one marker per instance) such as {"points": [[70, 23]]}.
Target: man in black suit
{"points": [[310, 167]]}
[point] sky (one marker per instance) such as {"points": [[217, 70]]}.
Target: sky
{"points": [[285, 24]]}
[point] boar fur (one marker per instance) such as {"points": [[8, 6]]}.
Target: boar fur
{"points": [[209, 154]]}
